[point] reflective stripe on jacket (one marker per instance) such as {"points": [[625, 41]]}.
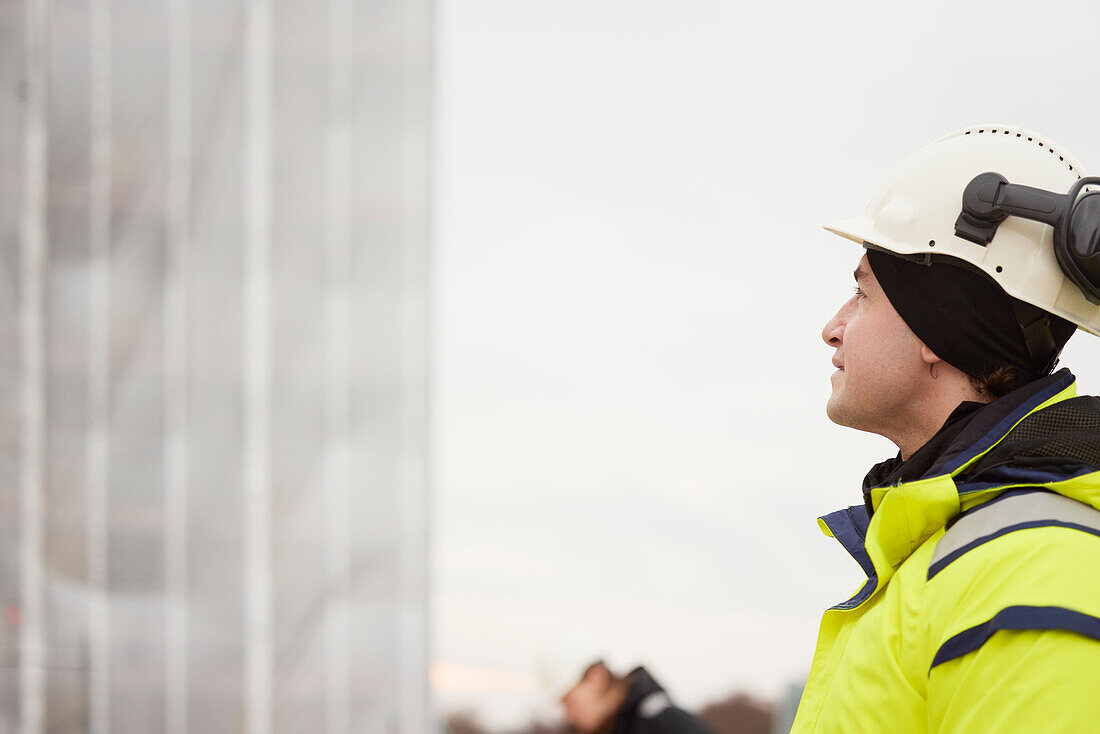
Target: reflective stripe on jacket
{"points": [[981, 608]]}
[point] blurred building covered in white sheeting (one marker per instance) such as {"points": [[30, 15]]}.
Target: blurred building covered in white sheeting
{"points": [[214, 238]]}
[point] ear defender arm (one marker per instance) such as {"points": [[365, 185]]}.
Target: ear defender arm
{"points": [[989, 199]]}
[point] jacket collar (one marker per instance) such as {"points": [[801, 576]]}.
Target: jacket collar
{"points": [[898, 517], [896, 471], [642, 685]]}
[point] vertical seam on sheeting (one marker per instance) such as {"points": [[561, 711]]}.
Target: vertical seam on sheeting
{"points": [[33, 245], [99, 347], [414, 108], [257, 367], [338, 370], [175, 365]]}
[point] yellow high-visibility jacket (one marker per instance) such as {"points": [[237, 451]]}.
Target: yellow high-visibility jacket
{"points": [[981, 609]]}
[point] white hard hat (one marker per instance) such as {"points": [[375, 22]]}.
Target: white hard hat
{"points": [[916, 210]]}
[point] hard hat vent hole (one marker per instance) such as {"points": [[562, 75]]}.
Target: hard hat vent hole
{"points": [[931, 243], [999, 268]]}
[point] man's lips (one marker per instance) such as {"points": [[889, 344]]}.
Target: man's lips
{"points": [[838, 365]]}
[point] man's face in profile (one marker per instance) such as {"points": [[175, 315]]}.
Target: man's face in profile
{"points": [[878, 358]]}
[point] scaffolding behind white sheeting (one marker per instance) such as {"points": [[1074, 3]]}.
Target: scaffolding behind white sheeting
{"points": [[213, 403]]}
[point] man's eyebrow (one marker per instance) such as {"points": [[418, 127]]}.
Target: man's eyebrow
{"points": [[859, 273]]}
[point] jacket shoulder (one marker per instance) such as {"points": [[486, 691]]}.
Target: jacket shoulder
{"points": [[1024, 561], [1012, 512]]}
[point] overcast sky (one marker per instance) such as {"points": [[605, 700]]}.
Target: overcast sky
{"points": [[630, 447]]}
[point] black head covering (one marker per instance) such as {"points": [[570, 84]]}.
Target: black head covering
{"points": [[963, 316]]}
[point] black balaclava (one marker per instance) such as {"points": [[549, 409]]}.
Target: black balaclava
{"points": [[966, 318]]}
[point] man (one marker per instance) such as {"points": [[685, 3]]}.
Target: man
{"points": [[632, 704], [981, 539]]}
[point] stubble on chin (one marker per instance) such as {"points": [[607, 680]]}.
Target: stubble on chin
{"points": [[835, 412], [834, 406], [842, 412]]}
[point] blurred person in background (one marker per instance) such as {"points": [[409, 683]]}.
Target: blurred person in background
{"points": [[632, 704], [981, 538]]}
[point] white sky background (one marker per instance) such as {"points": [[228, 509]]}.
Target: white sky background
{"points": [[630, 446]]}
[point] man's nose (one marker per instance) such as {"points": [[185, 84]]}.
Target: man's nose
{"points": [[833, 333]]}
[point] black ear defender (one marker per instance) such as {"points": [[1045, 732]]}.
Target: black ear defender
{"points": [[1075, 216]]}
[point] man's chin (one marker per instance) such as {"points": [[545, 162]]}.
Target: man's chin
{"points": [[846, 415], [835, 410]]}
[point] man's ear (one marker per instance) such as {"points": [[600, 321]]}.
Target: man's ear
{"points": [[928, 355]]}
